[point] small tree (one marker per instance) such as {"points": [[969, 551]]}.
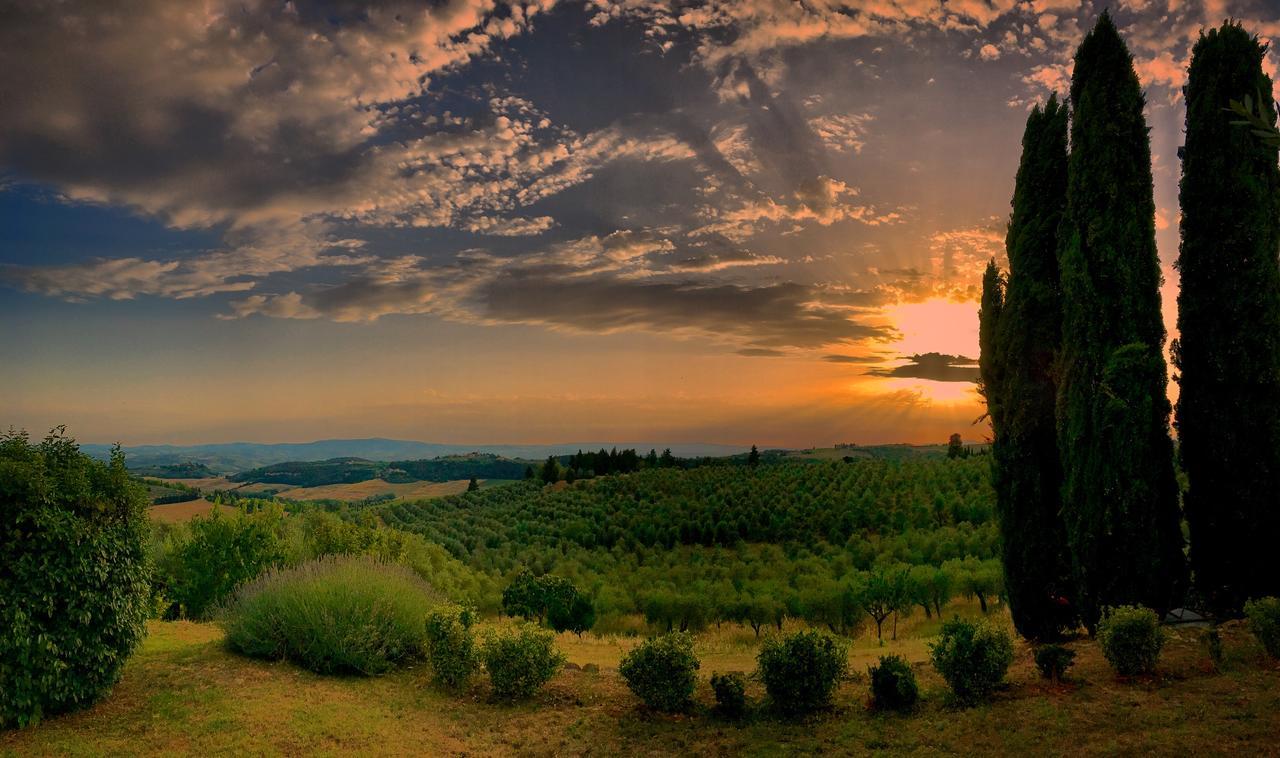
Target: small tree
{"points": [[882, 593], [473, 485], [551, 470], [955, 447], [753, 458], [578, 616]]}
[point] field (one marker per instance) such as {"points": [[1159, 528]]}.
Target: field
{"points": [[183, 693], [173, 513], [372, 487]]}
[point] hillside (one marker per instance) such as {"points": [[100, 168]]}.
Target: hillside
{"points": [[354, 470]]}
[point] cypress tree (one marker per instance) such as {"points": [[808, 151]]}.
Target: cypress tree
{"points": [[988, 355], [1028, 473], [1119, 495], [1228, 354]]}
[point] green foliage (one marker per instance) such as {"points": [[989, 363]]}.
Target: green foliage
{"points": [[1264, 622], [332, 615], [520, 661], [1131, 639], [731, 694], [551, 470], [1228, 350], [578, 616], [214, 554], [1119, 495], [972, 657], [801, 670], [74, 594], [893, 684], [451, 646], [352, 470], [1054, 660], [1020, 334], [549, 597], [662, 671]]}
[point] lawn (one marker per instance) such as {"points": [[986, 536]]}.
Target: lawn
{"points": [[183, 692]]}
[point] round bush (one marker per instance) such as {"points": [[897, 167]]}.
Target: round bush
{"points": [[1054, 660], [972, 658], [74, 589], [519, 662], [451, 647], [333, 615], [662, 671], [801, 670], [731, 694], [1264, 622], [893, 684], [1131, 639]]}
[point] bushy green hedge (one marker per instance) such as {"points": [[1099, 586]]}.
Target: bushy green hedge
{"points": [[801, 670], [1264, 622], [520, 661], [662, 671], [332, 616], [201, 565], [451, 646], [731, 694], [1131, 639], [972, 657], [74, 589], [893, 684]]}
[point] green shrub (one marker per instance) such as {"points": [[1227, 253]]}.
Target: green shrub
{"points": [[1131, 639], [451, 646], [214, 554], [893, 684], [662, 671], [731, 694], [333, 615], [519, 662], [1054, 660], [74, 591], [972, 658], [1264, 622], [801, 670]]}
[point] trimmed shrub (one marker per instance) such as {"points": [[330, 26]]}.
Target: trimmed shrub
{"points": [[520, 661], [74, 592], [333, 615], [1264, 622], [893, 684], [731, 694], [1131, 639], [972, 658], [662, 671], [451, 646], [1054, 660], [801, 670]]}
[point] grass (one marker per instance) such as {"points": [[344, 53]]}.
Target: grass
{"points": [[183, 692]]}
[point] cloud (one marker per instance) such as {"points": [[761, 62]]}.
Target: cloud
{"points": [[823, 200], [933, 366], [989, 52], [510, 227], [853, 358], [843, 133], [761, 352]]}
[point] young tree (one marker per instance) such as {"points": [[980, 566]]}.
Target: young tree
{"points": [[1119, 496], [473, 485], [753, 458], [955, 446], [1018, 354], [1228, 354]]}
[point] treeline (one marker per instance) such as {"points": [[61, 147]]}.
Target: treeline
{"points": [[354, 470], [1072, 345]]}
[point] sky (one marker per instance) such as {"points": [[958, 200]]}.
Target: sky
{"points": [[473, 221]]}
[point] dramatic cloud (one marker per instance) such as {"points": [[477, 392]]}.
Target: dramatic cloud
{"points": [[933, 366]]}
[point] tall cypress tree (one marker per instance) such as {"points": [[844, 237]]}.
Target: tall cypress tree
{"points": [[1119, 495], [1028, 473], [1228, 353], [988, 354]]}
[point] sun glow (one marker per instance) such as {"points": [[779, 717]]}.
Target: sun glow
{"points": [[935, 326]]}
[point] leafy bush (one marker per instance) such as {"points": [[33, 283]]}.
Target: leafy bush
{"points": [[451, 645], [74, 592], [800, 671], [1264, 622], [662, 671], [1131, 639], [214, 554], [893, 684], [731, 694], [333, 615], [972, 658], [519, 662], [1054, 660]]}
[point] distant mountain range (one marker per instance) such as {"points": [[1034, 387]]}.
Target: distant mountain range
{"points": [[230, 457]]}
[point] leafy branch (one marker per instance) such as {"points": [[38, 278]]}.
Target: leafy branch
{"points": [[1259, 119]]}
